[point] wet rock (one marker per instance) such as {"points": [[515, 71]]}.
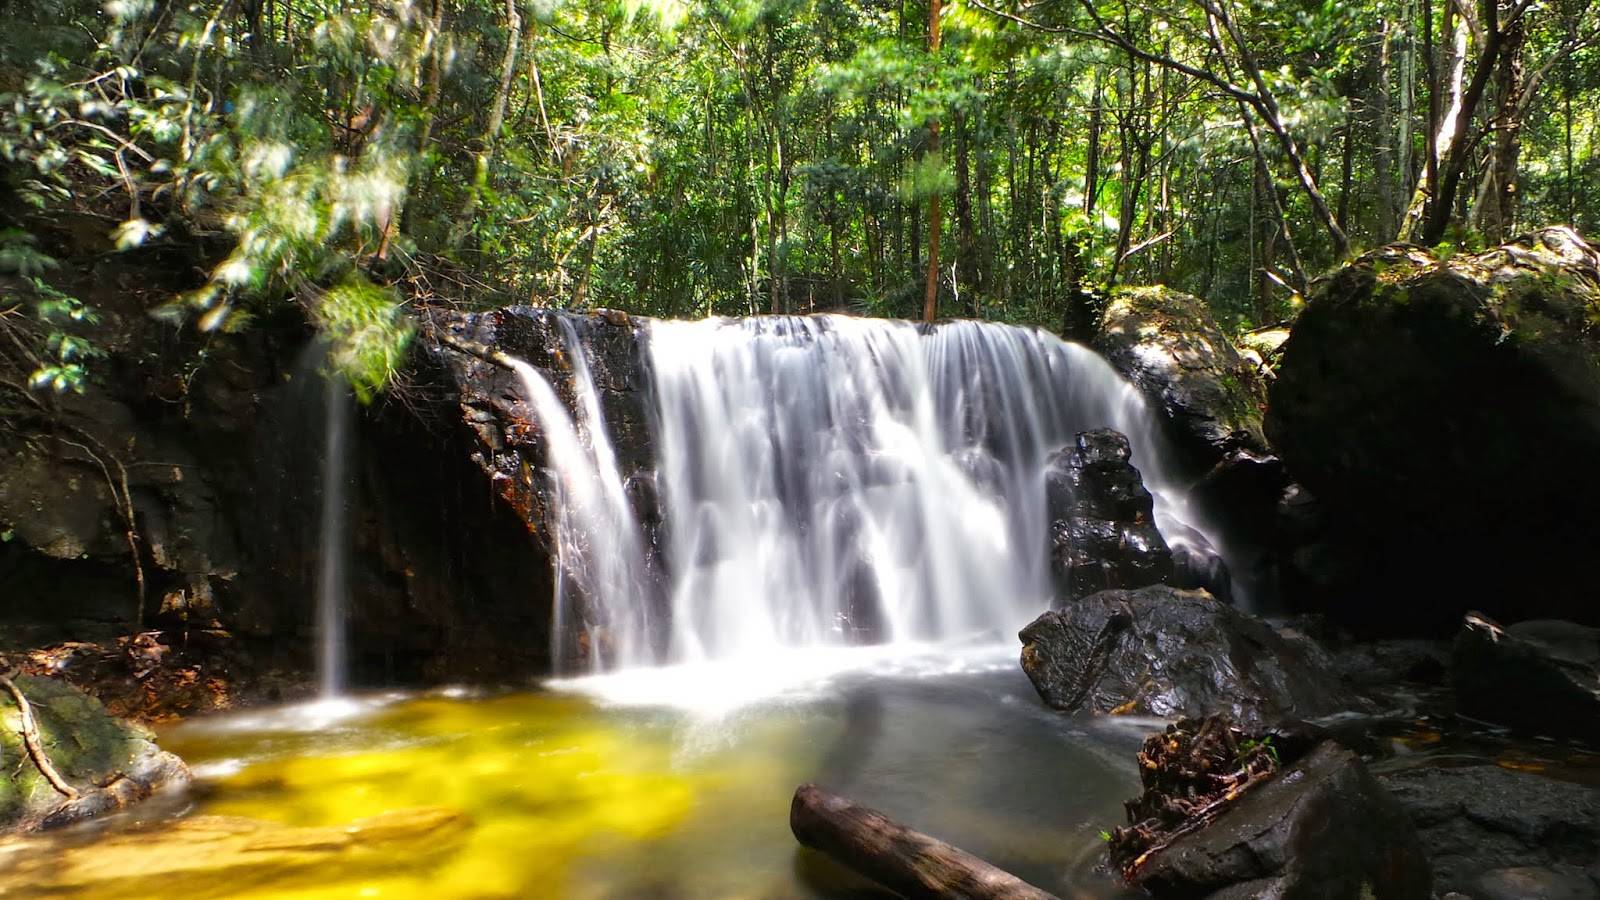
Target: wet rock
{"points": [[1168, 652], [112, 763], [1446, 413], [1209, 398], [1197, 564], [1168, 345], [1393, 662], [211, 856], [1103, 532], [464, 445], [1530, 883], [1473, 819], [1239, 499], [1541, 677], [1323, 827]]}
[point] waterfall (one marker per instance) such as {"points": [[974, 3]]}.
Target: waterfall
{"points": [[599, 564], [331, 586], [827, 480]]}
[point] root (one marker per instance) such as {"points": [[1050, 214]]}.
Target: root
{"points": [[30, 739], [124, 501], [1192, 773]]}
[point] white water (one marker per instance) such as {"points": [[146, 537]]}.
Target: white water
{"points": [[819, 472], [331, 586], [599, 565]]}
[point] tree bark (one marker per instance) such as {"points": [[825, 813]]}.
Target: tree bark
{"points": [[1383, 127], [1267, 106], [915, 865], [1500, 208], [966, 241], [930, 297]]}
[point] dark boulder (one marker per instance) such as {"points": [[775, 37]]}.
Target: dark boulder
{"points": [[1102, 529], [1168, 345], [1322, 827], [1473, 819], [1168, 652], [1446, 412], [1541, 677], [1535, 883]]}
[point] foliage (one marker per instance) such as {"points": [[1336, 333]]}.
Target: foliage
{"points": [[738, 156], [67, 353]]}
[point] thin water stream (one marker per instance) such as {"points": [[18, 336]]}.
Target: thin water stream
{"points": [[333, 537]]}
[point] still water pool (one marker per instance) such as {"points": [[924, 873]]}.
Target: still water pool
{"points": [[661, 784]]}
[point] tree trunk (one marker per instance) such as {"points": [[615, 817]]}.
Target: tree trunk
{"points": [[1346, 169], [1267, 107], [1501, 206], [1383, 132], [1405, 161], [914, 865], [930, 297], [1091, 165], [984, 283], [966, 241]]}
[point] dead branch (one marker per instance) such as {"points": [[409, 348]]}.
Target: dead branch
{"points": [[30, 739]]}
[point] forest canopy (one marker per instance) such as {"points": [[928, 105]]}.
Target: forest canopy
{"points": [[742, 156]]}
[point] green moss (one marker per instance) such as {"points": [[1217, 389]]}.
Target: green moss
{"points": [[83, 741]]}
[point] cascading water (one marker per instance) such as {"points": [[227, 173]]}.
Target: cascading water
{"points": [[331, 586], [826, 476], [599, 565]]}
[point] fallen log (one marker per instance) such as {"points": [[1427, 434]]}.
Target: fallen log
{"points": [[912, 864]]}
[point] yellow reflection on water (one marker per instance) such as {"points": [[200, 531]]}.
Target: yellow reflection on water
{"points": [[527, 795]]}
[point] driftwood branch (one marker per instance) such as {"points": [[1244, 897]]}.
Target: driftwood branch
{"points": [[473, 348], [912, 864], [30, 740]]}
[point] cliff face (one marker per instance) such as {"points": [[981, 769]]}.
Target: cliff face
{"points": [[180, 491], [458, 444]]}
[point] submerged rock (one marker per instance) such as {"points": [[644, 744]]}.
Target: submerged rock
{"points": [[1541, 677], [110, 762], [1167, 343], [1322, 827], [1103, 532], [1473, 819], [219, 856], [1533, 883], [1168, 652], [1446, 413]]}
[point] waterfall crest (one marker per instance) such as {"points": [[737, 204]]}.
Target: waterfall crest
{"points": [[826, 480]]}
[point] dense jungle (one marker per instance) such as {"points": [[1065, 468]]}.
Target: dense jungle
{"points": [[993, 449]]}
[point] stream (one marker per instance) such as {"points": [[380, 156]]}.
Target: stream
{"points": [[608, 787]]}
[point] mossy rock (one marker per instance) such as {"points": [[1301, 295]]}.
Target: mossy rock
{"points": [[1447, 413], [1168, 344], [89, 748]]}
